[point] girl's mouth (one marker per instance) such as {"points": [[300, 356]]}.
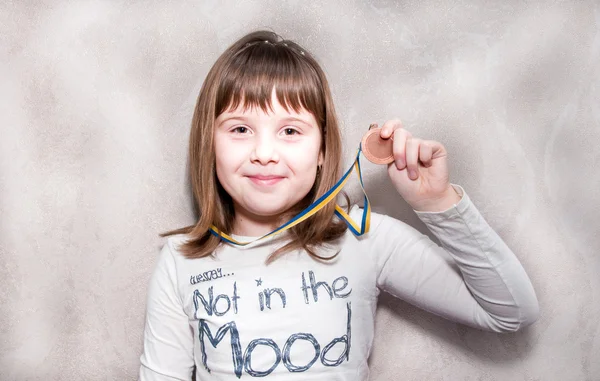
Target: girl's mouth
{"points": [[265, 180]]}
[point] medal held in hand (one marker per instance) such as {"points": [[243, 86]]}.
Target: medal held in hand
{"points": [[376, 149]]}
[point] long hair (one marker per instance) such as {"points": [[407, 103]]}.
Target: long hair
{"points": [[247, 72]]}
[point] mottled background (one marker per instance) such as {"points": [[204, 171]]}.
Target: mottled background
{"points": [[96, 99]]}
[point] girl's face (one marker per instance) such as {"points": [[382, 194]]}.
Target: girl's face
{"points": [[266, 162]]}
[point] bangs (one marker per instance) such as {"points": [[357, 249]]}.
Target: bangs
{"points": [[256, 69]]}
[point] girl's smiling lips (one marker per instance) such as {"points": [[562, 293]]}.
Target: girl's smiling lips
{"points": [[265, 180]]}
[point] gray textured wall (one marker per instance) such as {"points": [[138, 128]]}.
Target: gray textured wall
{"points": [[95, 105]]}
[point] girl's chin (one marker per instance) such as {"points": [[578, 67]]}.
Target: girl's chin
{"points": [[267, 212], [264, 211]]}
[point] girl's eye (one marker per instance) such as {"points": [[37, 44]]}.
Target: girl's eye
{"points": [[240, 129], [290, 131]]}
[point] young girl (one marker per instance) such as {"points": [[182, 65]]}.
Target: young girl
{"points": [[227, 300]]}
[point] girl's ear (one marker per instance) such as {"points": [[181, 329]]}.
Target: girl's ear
{"points": [[321, 159]]}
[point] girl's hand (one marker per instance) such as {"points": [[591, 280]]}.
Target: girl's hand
{"points": [[420, 170]]}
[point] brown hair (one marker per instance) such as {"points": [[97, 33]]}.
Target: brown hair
{"points": [[246, 73]]}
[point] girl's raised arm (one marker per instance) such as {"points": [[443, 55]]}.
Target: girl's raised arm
{"points": [[490, 290], [168, 337]]}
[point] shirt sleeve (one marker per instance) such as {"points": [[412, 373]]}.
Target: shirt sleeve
{"points": [[473, 278], [168, 336]]}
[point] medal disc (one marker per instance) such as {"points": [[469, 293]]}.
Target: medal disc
{"points": [[376, 149]]}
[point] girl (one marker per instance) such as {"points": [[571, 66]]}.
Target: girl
{"points": [[227, 300]]}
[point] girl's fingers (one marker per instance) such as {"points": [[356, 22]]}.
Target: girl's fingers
{"points": [[426, 153], [399, 147], [389, 127], [412, 157]]}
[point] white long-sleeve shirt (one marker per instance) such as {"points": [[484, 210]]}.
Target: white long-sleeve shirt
{"points": [[233, 317]]}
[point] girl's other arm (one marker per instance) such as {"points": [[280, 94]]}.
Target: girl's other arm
{"points": [[168, 337], [490, 290]]}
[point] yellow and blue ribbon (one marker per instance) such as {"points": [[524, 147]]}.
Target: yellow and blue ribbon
{"points": [[317, 205]]}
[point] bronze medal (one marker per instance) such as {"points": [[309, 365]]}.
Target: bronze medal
{"points": [[376, 149]]}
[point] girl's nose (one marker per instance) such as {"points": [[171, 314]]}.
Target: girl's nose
{"points": [[265, 150]]}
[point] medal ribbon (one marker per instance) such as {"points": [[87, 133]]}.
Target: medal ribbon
{"points": [[313, 208]]}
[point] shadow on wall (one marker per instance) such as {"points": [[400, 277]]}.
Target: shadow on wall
{"points": [[499, 348]]}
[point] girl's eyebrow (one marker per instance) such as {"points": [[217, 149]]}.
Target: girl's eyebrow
{"points": [[292, 118], [233, 116]]}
